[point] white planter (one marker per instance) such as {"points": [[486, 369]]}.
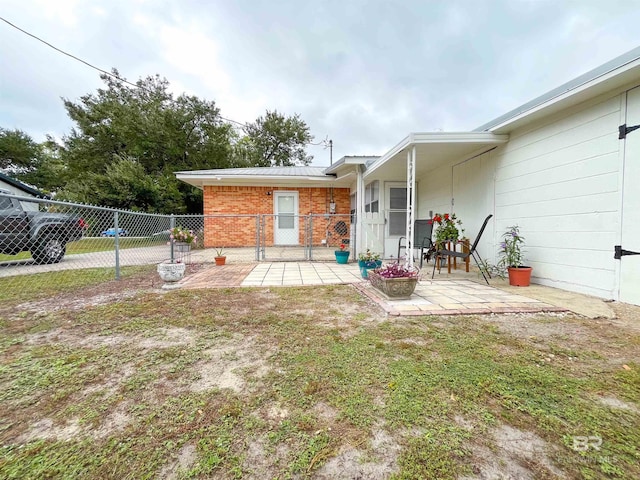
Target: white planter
{"points": [[171, 272]]}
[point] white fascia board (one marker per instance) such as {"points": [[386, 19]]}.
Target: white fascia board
{"points": [[258, 180], [413, 139], [346, 161]]}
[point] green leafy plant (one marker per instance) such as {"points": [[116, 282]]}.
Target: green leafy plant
{"points": [[219, 251], [511, 248], [449, 228], [510, 253], [369, 256]]}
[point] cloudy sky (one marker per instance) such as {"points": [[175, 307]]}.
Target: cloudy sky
{"points": [[362, 73]]}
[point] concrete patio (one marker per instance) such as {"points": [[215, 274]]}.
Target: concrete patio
{"points": [[447, 294]]}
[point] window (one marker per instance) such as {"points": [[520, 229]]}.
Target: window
{"points": [[372, 197]]}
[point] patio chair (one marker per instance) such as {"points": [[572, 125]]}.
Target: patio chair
{"points": [[422, 231], [465, 255]]}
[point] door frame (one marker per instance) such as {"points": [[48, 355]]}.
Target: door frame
{"points": [[296, 216], [391, 241]]}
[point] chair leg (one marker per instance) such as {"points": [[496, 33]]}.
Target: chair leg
{"points": [[435, 262], [480, 261], [473, 254]]}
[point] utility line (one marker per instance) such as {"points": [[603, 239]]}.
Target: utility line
{"points": [[123, 80], [324, 142]]}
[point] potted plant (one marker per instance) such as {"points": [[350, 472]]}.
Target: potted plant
{"points": [[512, 258], [342, 255], [368, 261], [220, 257], [448, 229], [182, 238], [395, 281]]}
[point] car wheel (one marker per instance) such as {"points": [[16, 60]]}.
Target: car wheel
{"points": [[49, 249]]}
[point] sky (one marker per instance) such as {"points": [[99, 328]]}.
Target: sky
{"points": [[363, 74]]}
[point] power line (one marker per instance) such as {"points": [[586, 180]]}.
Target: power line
{"points": [[326, 142], [123, 80]]}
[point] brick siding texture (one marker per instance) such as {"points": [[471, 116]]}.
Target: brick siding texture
{"points": [[230, 214]]}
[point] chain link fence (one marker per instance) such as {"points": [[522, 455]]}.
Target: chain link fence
{"points": [[38, 236]]}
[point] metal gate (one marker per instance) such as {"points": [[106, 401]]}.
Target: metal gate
{"points": [[303, 237]]}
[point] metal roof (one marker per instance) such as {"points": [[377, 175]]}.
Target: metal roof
{"points": [[564, 88]]}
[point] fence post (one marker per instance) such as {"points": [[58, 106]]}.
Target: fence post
{"points": [[116, 243], [310, 237], [172, 225], [257, 238], [263, 244]]}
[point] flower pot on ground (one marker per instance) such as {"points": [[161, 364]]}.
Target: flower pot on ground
{"points": [[394, 281], [519, 276], [511, 261], [220, 257], [342, 255], [366, 267], [368, 261], [171, 273]]}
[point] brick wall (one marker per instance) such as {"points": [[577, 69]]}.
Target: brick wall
{"points": [[225, 205]]}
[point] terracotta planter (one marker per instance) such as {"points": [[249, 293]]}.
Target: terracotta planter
{"points": [[393, 288], [520, 276], [220, 260]]}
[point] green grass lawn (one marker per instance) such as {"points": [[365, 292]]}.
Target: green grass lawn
{"points": [[95, 244], [304, 382]]}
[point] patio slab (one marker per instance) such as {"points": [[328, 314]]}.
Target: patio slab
{"points": [[444, 295], [458, 300]]}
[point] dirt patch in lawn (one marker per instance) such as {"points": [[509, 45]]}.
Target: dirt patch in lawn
{"points": [[308, 383]]}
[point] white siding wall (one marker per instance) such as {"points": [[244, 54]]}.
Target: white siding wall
{"points": [[473, 194], [470, 182], [559, 181]]}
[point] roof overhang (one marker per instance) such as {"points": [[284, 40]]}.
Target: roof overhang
{"points": [[432, 150], [349, 163], [200, 180]]}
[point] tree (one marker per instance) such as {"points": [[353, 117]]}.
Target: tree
{"points": [[34, 163], [147, 125], [277, 140], [18, 151]]}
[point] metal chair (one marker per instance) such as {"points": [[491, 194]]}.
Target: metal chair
{"points": [[465, 255], [422, 231]]}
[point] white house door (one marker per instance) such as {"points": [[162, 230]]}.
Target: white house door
{"points": [[396, 217], [286, 229], [630, 239]]}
